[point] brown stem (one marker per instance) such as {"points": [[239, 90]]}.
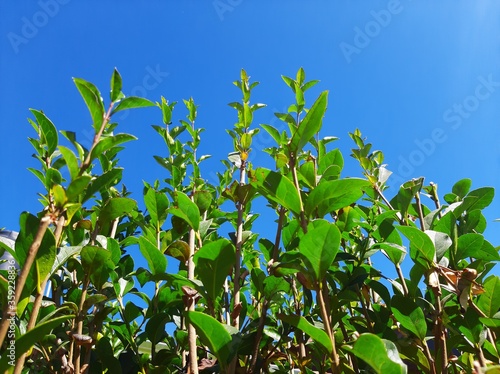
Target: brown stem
{"points": [[262, 320], [193, 355], [107, 116], [440, 334], [39, 297], [326, 321], [79, 327], [427, 352], [21, 280], [420, 212], [402, 279]]}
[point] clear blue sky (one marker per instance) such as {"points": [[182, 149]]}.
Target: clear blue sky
{"points": [[421, 79]]}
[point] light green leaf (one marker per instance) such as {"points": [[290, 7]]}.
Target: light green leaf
{"points": [[489, 301], [157, 205], [422, 249], [380, 354], [276, 187], [109, 142], [93, 100], [71, 161], [116, 86], [214, 335], [310, 125], [186, 209], [132, 102], [157, 262], [331, 195]]}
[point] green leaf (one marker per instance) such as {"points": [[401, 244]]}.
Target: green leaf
{"points": [[422, 249], [331, 195], [110, 178], [274, 285], [214, 335], [93, 100], [45, 258], [462, 187], [116, 86], [186, 209], [275, 134], [97, 264], [29, 339], [71, 161], [317, 334], [157, 204], [76, 187], [132, 102], [441, 242], [157, 262], [409, 315], [468, 244], [48, 131], [109, 142], [489, 301], [319, 247], [382, 355], [65, 253], [114, 208], [275, 187], [310, 125], [213, 264], [477, 199]]}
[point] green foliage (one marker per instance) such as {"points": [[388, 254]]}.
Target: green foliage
{"points": [[307, 293]]}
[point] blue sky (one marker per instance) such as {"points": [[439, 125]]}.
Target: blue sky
{"points": [[421, 79]]}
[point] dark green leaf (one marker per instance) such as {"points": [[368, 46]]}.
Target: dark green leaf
{"points": [[48, 131], [409, 315], [157, 205], [317, 334], [462, 187], [213, 264], [114, 208], [97, 264], [29, 339], [319, 247]]}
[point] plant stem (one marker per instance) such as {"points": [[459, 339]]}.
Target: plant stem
{"points": [[193, 355], [262, 320], [328, 328], [21, 280], [39, 297], [402, 279], [420, 212], [79, 327], [427, 352]]}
